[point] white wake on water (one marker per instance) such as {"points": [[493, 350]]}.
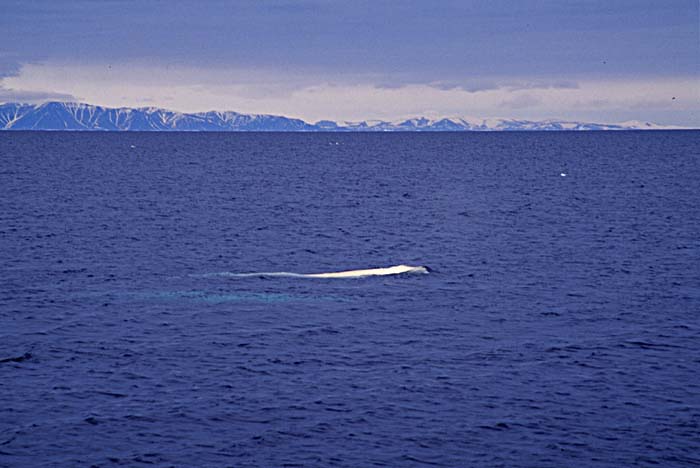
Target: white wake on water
{"points": [[392, 270]]}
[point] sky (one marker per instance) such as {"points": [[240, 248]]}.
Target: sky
{"points": [[593, 60]]}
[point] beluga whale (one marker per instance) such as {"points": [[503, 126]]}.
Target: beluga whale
{"points": [[393, 270], [385, 271]]}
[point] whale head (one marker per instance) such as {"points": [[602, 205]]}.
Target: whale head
{"points": [[413, 269]]}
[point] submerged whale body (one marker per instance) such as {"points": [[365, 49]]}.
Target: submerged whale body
{"points": [[387, 271]]}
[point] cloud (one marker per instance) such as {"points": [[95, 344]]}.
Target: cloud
{"points": [[521, 101], [540, 84], [594, 103], [9, 65], [658, 103], [469, 86], [32, 97], [475, 86]]}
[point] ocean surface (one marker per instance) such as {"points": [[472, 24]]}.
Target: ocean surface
{"points": [[558, 324]]}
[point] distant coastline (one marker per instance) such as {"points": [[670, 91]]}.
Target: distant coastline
{"points": [[71, 116]]}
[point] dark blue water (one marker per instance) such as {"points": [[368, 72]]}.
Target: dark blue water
{"points": [[560, 326]]}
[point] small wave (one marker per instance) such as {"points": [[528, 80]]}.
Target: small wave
{"points": [[392, 270]]}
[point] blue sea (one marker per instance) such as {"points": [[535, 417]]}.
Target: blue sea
{"points": [[557, 323]]}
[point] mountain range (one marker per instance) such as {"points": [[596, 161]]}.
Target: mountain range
{"points": [[86, 117]]}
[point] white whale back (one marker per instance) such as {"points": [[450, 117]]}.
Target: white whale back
{"points": [[392, 270]]}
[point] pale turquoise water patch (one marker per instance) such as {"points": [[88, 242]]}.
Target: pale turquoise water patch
{"points": [[209, 297]]}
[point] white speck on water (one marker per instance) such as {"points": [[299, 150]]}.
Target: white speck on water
{"points": [[563, 174]]}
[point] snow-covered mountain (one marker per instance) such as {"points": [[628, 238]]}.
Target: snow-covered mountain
{"points": [[77, 116], [86, 117]]}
